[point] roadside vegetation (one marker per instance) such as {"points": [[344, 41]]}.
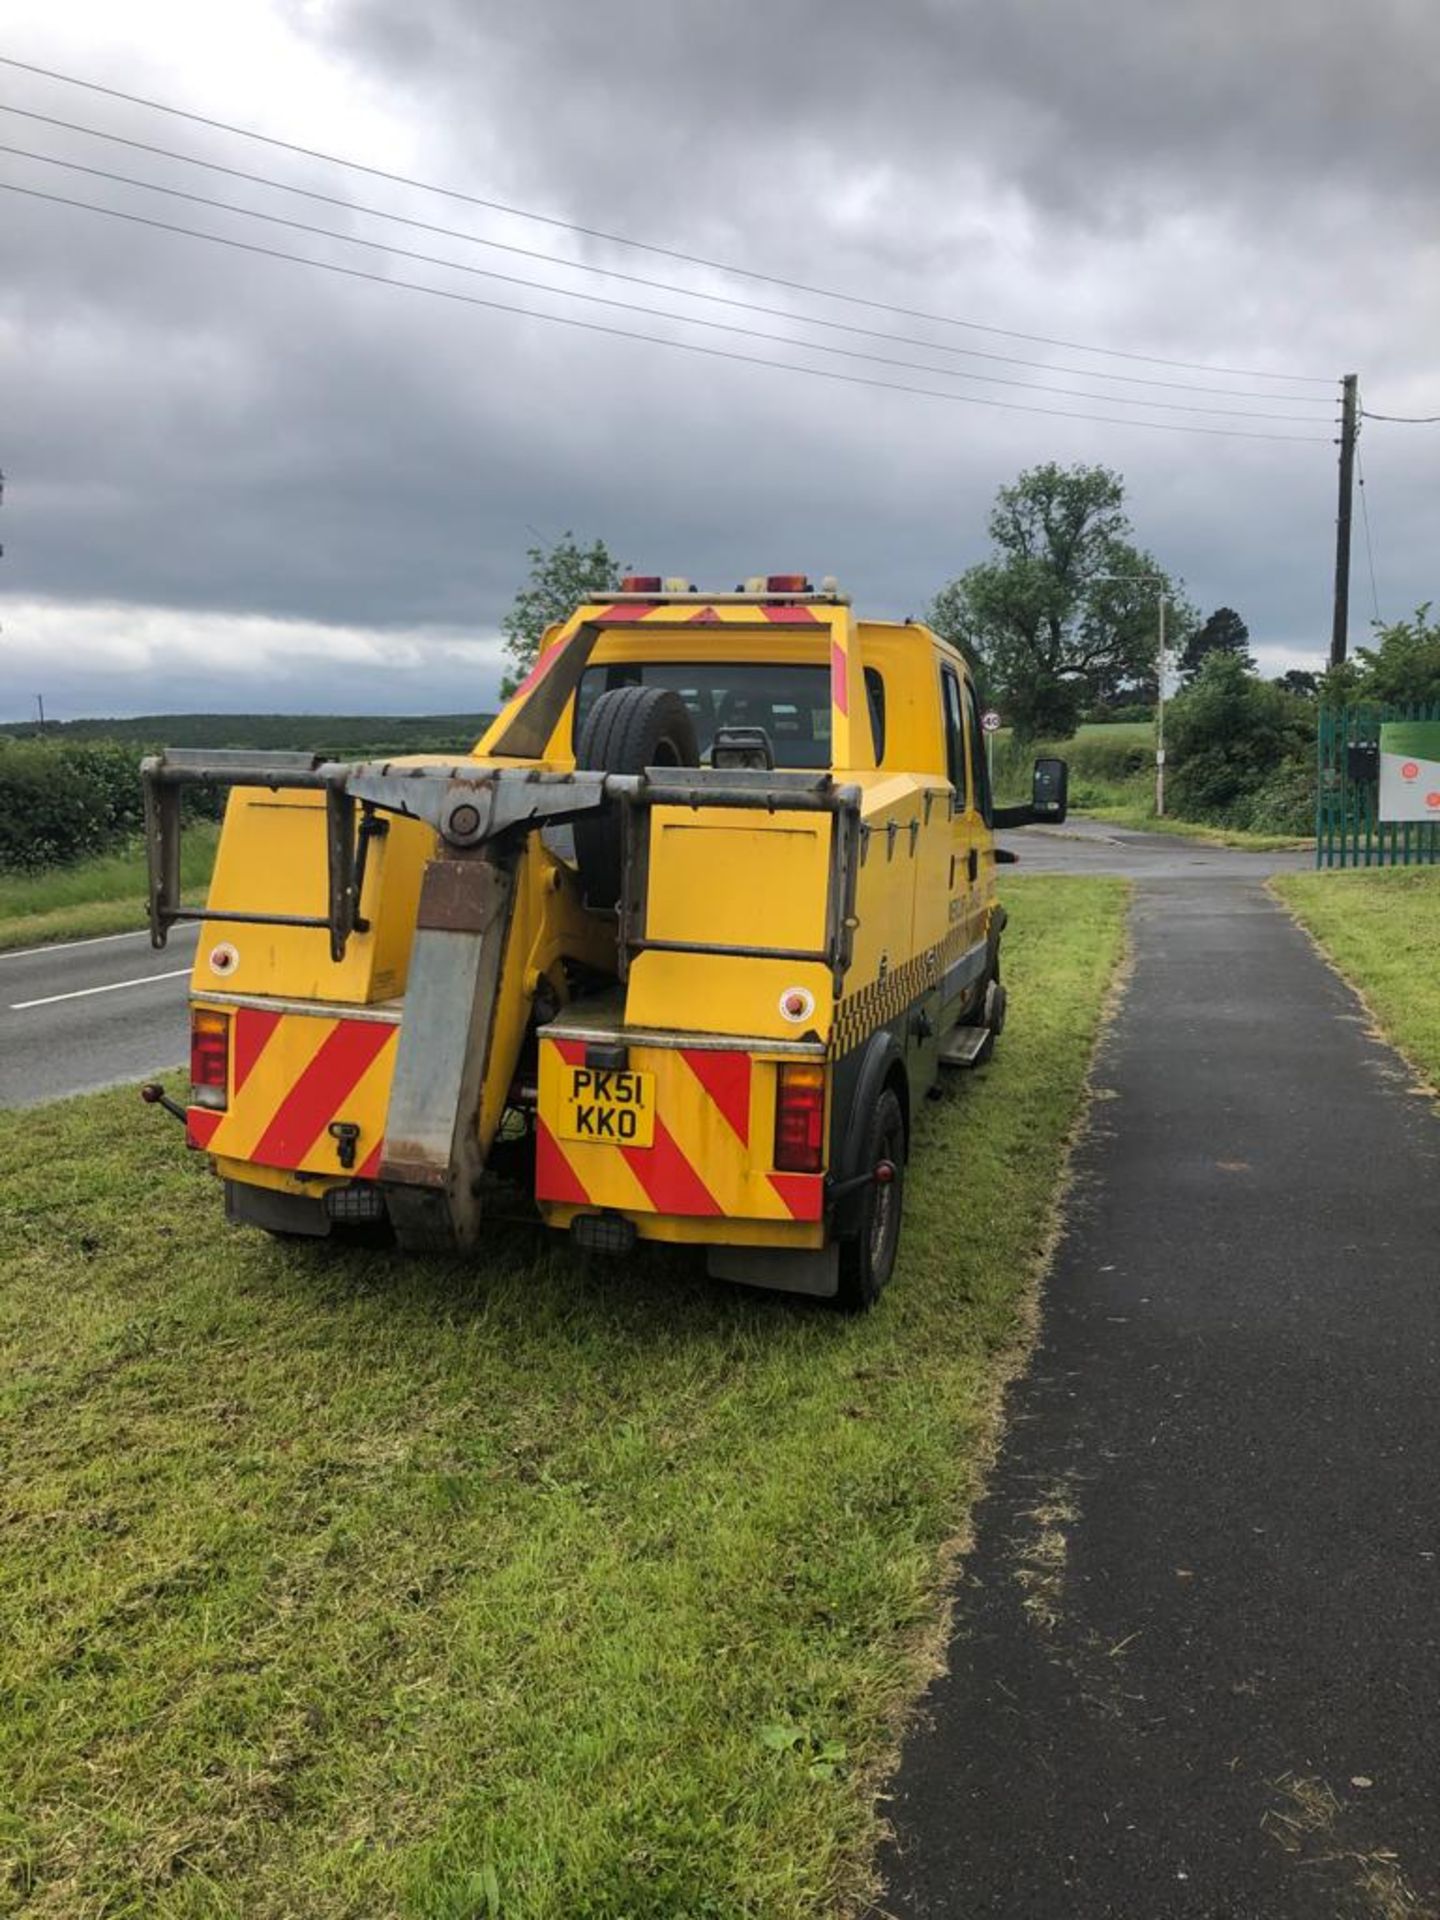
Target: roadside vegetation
{"points": [[92, 897], [1382, 929], [72, 862], [342, 1585], [1112, 778]]}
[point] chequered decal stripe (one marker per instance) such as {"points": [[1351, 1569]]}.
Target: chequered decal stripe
{"points": [[878, 1002]]}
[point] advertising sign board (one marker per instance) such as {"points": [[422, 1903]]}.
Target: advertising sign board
{"points": [[1410, 770]]}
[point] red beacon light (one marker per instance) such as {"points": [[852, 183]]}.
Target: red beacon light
{"points": [[787, 583], [640, 583]]}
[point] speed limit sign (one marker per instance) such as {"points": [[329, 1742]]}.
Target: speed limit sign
{"points": [[990, 721]]}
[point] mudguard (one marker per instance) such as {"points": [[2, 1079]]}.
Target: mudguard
{"points": [[879, 1057]]}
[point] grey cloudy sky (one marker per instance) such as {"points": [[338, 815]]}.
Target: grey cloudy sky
{"points": [[234, 482]]}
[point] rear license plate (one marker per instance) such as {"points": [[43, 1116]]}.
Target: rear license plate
{"points": [[608, 1106]]}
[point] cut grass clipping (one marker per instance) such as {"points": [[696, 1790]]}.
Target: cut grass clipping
{"points": [[1382, 929], [340, 1585], [105, 895]]}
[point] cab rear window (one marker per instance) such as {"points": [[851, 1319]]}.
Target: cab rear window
{"points": [[792, 703]]}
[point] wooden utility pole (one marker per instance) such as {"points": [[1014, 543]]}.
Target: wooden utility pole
{"points": [[1349, 427]]}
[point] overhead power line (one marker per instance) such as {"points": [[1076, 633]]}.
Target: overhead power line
{"points": [[621, 240], [1405, 419], [630, 306], [650, 339], [642, 280]]}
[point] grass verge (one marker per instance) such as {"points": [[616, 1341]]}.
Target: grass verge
{"points": [[1382, 929], [106, 895], [1140, 815], [346, 1586]]}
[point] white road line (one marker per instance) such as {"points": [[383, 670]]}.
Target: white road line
{"points": [[81, 993], [94, 940]]}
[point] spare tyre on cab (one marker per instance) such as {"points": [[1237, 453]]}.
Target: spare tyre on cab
{"points": [[675, 951]]}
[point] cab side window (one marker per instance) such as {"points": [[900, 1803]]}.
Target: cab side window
{"points": [[979, 758], [954, 737], [875, 700]]}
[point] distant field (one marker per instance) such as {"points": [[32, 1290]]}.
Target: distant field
{"points": [[323, 732], [1107, 763]]}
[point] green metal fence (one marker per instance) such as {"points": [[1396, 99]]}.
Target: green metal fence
{"points": [[1348, 832]]}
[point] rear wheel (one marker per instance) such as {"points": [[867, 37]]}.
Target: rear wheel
{"points": [[627, 730], [988, 1008], [867, 1258]]}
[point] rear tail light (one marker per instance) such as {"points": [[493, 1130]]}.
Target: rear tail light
{"points": [[210, 1060], [800, 1120], [640, 583]]}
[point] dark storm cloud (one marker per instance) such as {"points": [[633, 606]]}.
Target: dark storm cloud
{"points": [[190, 428], [1083, 104]]}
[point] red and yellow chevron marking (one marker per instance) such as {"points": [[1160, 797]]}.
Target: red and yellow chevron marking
{"points": [[710, 1104], [666, 613], [290, 1076]]}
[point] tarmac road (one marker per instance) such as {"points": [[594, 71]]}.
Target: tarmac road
{"points": [[1196, 1657], [91, 1013], [1090, 846]]}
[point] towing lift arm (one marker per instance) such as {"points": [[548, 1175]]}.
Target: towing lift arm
{"points": [[433, 1155]]}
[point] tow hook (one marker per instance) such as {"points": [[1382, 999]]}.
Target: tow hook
{"points": [[154, 1095], [345, 1134]]}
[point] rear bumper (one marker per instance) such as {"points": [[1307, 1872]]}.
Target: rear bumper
{"points": [[704, 1171], [309, 1215]]}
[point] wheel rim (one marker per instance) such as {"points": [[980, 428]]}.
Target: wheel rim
{"points": [[885, 1205]]}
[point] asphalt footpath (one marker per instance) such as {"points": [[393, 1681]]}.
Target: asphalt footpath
{"points": [[1196, 1662]]}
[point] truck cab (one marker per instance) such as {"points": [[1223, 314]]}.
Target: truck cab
{"points": [[678, 948]]}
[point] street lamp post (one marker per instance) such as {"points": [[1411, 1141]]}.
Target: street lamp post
{"points": [[1155, 580]]}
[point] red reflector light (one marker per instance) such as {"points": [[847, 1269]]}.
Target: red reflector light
{"points": [[787, 583], [800, 1120], [640, 583], [210, 1060]]}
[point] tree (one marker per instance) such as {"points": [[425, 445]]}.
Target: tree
{"points": [[1236, 740], [1223, 632], [562, 577], [1065, 612], [1298, 680], [1404, 668]]}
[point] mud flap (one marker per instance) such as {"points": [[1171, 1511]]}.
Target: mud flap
{"points": [[432, 1159], [276, 1212], [780, 1269]]}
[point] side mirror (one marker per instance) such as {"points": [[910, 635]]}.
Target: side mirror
{"points": [[1049, 798], [1050, 790]]}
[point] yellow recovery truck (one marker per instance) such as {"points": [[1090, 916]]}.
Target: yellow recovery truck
{"points": [[677, 949]]}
